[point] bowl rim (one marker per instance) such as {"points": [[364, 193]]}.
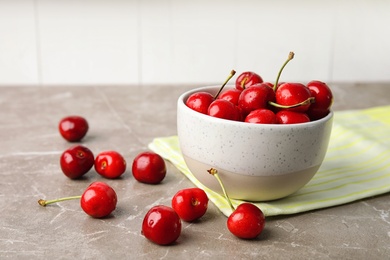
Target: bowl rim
{"points": [[181, 104]]}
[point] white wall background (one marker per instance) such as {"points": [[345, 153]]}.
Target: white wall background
{"points": [[49, 42]]}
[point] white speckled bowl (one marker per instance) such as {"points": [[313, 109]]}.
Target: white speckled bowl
{"points": [[256, 162]]}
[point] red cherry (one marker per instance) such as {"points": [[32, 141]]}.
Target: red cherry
{"points": [[224, 109], [98, 200], [161, 225], [290, 94], [261, 116], [149, 167], [110, 164], [231, 95], [246, 222], [255, 97], [76, 161], [200, 101], [247, 79], [73, 128], [291, 117], [323, 99], [190, 204]]}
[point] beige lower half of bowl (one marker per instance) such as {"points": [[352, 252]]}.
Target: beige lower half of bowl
{"points": [[251, 188]]}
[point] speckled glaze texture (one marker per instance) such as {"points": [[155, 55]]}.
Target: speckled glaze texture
{"points": [[251, 149]]}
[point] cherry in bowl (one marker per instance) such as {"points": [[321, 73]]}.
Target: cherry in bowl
{"points": [[259, 162]]}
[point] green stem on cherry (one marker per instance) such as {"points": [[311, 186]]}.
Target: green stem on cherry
{"points": [[310, 100], [43, 203], [224, 84], [214, 172], [290, 57]]}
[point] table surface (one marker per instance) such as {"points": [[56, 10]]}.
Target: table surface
{"points": [[126, 119]]}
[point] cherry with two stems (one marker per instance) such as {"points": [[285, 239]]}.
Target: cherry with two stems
{"points": [[190, 204], [246, 221], [98, 200]]}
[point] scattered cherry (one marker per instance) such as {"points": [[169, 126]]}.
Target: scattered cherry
{"points": [[98, 200], [323, 99], [149, 167], [190, 204], [73, 128], [110, 164], [161, 225], [246, 221], [291, 117], [76, 161], [247, 79]]}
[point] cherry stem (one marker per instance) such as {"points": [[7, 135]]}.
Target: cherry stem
{"points": [[43, 203], [214, 172], [224, 84], [310, 100], [243, 82], [290, 57]]}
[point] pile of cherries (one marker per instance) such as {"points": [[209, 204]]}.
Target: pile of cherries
{"points": [[162, 224], [255, 101]]}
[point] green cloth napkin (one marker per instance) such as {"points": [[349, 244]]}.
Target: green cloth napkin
{"points": [[356, 166]]}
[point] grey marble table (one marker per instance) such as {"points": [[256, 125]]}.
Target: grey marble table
{"points": [[126, 119]]}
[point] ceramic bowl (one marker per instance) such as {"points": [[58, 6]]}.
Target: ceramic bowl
{"points": [[256, 162]]}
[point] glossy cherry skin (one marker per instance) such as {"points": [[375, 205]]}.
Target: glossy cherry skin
{"points": [[255, 97], [323, 99], [200, 101], [247, 79], [224, 109], [288, 94], [246, 222], [190, 204], [291, 117], [261, 116], [110, 164], [73, 128], [98, 200], [161, 225], [231, 95], [76, 161], [149, 167]]}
